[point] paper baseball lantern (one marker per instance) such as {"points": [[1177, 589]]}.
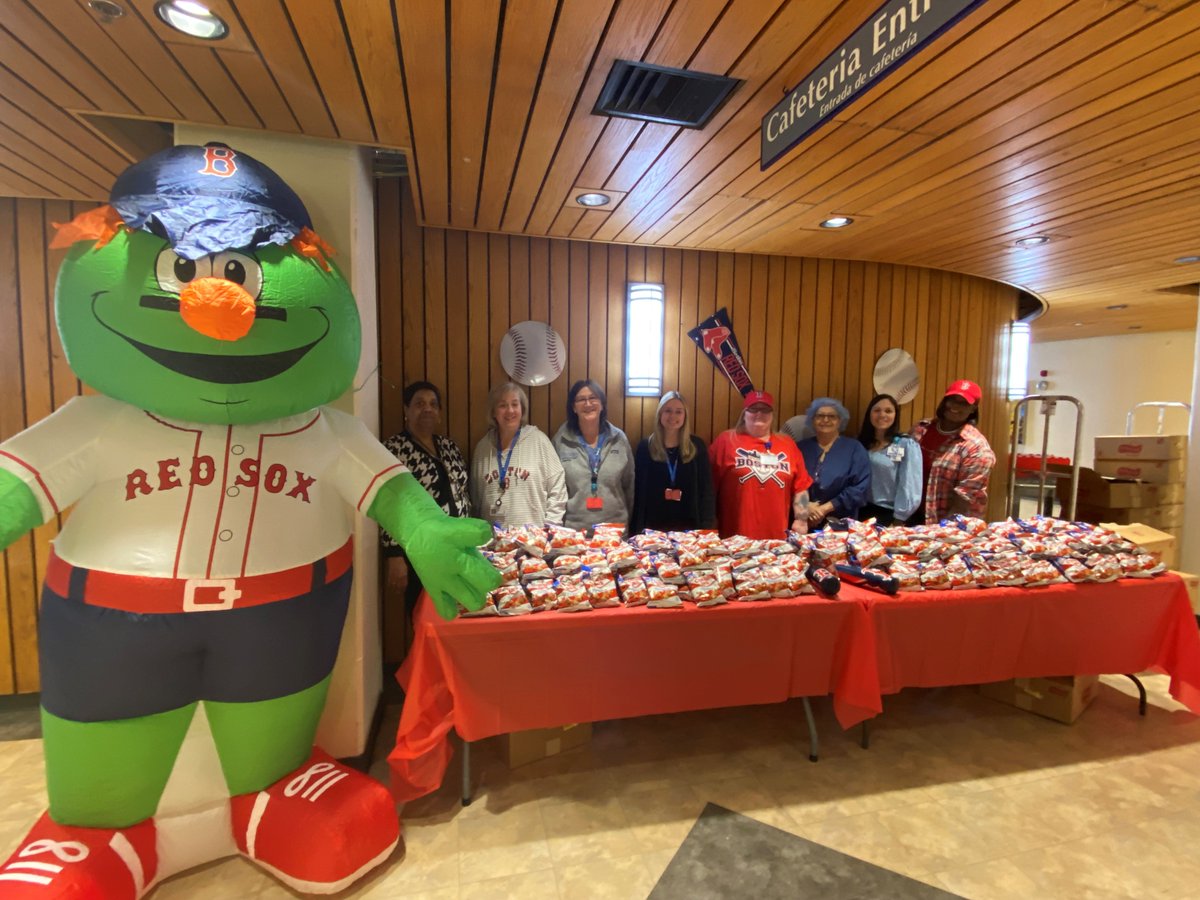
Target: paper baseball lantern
{"points": [[532, 353]]}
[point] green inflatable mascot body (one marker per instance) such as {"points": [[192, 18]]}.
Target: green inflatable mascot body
{"points": [[194, 601]]}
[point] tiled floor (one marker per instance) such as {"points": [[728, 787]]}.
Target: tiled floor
{"points": [[958, 791]]}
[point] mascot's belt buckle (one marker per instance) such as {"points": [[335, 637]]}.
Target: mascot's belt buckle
{"points": [[227, 596]]}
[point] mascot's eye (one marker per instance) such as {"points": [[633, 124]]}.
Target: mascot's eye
{"points": [[174, 272], [240, 269]]}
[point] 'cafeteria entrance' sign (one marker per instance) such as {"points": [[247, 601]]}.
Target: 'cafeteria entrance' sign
{"points": [[886, 39]]}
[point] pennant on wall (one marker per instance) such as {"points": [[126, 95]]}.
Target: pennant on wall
{"points": [[716, 338]]}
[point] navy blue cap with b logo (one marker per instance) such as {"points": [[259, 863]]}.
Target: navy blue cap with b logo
{"points": [[207, 199]]}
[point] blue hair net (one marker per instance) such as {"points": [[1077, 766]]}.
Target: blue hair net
{"points": [[843, 414]]}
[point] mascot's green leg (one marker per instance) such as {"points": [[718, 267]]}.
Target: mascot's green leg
{"points": [[110, 774], [260, 742]]}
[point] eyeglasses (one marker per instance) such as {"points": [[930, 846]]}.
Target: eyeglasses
{"points": [[825, 417], [586, 401]]}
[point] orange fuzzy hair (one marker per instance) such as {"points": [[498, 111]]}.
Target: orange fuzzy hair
{"points": [[100, 225], [311, 245]]}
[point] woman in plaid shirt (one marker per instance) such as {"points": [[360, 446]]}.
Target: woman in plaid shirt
{"points": [[957, 458]]}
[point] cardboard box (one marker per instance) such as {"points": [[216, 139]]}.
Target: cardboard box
{"points": [[1156, 471], [523, 747], [1163, 544], [1170, 516], [1097, 491], [1192, 583], [1062, 699], [1142, 446]]}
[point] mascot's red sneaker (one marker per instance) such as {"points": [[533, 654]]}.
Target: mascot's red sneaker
{"points": [[81, 863], [318, 829]]}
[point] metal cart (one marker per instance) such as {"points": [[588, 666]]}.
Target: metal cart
{"points": [[1049, 404], [1162, 406]]}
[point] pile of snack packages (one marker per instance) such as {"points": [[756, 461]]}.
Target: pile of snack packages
{"points": [[556, 568]]}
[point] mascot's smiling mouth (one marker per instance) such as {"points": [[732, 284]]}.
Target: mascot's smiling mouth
{"points": [[215, 368]]}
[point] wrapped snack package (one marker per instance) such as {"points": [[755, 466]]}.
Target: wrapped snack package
{"points": [[511, 600], [933, 575], [981, 572], [1074, 570], [567, 564], [970, 524], [652, 542], [866, 551], [750, 585], [906, 575], [1139, 565], [706, 592], [692, 558], [506, 564], [775, 581], [1104, 566], [602, 591], [662, 595], [531, 539], [1041, 572], [622, 557], [488, 609], [542, 595], [668, 569], [533, 568], [565, 540], [502, 540], [633, 590], [572, 596], [958, 574], [606, 536]]}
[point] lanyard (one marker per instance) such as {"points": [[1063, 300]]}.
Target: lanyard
{"points": [[594, 458], [503, 466], [672, 463]]}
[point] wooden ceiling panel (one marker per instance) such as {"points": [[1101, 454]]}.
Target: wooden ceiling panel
{"points": [[1078, 118], [372, 31]]}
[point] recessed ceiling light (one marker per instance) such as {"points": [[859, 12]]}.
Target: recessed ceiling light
{"points": [[593, 198], [1077, 324], [1134, 327], [1118, 306], [837, 222], [1188, 259], [192, 18], [106, 10], [1034, 240]]}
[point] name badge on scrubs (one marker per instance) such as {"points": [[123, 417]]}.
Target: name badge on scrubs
{"points": [[895, 452], [673, 494], [595, 503]]}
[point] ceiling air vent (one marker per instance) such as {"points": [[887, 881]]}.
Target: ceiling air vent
{"points": [[389, 163], [637, 90]]}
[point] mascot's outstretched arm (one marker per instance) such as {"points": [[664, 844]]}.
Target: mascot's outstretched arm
{"points": [[19, 511], [440, 548]]}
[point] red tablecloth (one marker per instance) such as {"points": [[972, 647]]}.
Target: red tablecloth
{"points": [[489, 676], [937, 638]]}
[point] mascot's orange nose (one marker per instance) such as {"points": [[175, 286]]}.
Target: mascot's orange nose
{"points": [[217, 308]]}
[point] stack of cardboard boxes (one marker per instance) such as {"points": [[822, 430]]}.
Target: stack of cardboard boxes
{"points": [[1137, 488]]}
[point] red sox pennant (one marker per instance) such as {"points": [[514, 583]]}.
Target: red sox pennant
{"points": [[716, 338]]}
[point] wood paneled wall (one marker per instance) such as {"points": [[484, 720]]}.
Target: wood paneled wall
{"points": [[34, 381], [807, 327]]}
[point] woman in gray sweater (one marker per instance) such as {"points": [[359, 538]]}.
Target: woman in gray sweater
{"points": [[596, 459]]}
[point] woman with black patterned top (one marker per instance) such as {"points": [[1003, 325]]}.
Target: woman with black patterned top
{"points": [[436, 462]]}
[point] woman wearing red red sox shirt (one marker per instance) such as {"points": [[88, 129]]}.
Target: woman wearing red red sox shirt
{"points": [[759, 475], [957, 458]]}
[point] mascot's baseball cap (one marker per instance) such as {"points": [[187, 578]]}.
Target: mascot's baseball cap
{"points": [[207, 199], [758, 397], [968, 390]]}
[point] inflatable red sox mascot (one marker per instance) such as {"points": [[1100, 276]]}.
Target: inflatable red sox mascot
{"points": [[194, 601]]}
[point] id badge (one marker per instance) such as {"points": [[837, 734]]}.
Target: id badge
{"points": [[895, 452], [595, 503], [673, 494]]}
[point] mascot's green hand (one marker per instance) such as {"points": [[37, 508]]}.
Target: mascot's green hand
{"points": [[443, 550], [19, 510]]}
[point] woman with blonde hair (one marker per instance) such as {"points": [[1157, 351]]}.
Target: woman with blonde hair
{"points": [[673, 488], [516, 477]]}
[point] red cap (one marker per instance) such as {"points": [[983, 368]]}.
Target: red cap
{"points": [[968, 390], [758, 397]]}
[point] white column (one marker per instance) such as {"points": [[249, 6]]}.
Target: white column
{"points": [[1189, 546], [334, 181]]}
